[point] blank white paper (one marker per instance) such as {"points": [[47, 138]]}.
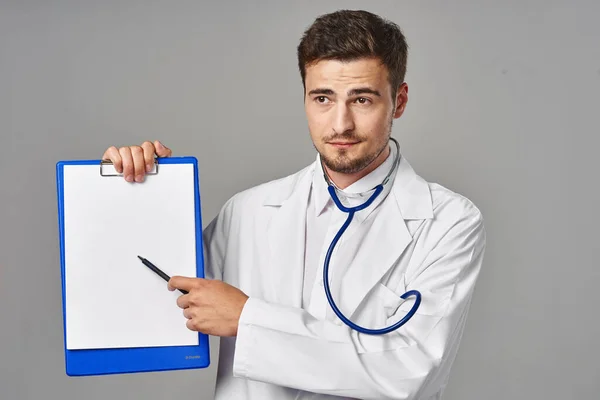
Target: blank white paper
{"points": [[112, 299]]}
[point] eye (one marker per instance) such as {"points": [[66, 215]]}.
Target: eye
{"points": [[321, 99], [363, 100]]}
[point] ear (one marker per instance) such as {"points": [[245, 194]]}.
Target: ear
{"points": [[401, 100]]}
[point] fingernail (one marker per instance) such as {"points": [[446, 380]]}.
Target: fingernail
{"points": [[139, 178], [129, 178], [148, 167]]}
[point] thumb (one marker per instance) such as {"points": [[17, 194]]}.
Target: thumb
{"points": [[182, 282], [162, 150]]}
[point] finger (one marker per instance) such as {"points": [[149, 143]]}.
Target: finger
{"points": [[139, 165], [183, 301], [125, 153], [162, 150], [148, 155], [185, 283], [191, 325], [112, 154], [187, 313]]}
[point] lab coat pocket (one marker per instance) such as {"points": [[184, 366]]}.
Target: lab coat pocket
{"points": [[387, 299], [379, 306], [433, 303], [379, 312]]}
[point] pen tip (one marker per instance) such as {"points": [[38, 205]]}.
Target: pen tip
{"points": [[141, 258]]}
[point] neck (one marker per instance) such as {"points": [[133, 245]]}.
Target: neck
{"points": [[343, 180]]}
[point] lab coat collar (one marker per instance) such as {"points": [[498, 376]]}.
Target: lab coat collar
{"points": [[411, 192]]}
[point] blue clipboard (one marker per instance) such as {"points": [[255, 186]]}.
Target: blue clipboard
{"points": [[102, 361]]}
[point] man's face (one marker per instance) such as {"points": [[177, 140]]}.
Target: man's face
{"points": [[350, 109]]}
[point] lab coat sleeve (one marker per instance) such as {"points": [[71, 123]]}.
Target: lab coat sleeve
{"points": [[289, 347]]}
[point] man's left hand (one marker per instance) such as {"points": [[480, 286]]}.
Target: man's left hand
{"points": [[212, 307]]}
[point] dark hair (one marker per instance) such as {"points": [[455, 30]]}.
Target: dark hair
{"points": [[347, 35]]}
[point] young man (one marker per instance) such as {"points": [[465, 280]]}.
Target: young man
{"points": [[266, 249]]}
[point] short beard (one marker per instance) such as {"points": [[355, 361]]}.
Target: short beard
{"points": [[344, 165]]}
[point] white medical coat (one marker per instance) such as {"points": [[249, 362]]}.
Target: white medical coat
{"points": [[424, 237]]}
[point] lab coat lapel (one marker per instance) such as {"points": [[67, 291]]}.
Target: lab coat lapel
{"points": [[286, 236]]}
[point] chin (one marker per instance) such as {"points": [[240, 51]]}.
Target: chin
{"points": [[341, 163]]}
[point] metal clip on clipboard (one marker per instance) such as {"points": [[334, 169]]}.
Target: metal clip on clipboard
{"points": [[104, 163]]}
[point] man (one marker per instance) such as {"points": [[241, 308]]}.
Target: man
{"points": [[265, 250]]}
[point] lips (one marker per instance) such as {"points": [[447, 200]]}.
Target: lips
{"points": [[343, 145]]}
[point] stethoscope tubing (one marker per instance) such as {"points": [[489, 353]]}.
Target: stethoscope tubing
{"points": [[336, 310]]}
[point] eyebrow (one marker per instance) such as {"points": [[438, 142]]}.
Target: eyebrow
{"points": [[327, 92], [353, 92], [364, 90]]}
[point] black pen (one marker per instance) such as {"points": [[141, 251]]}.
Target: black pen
{"points": [[158, 272]]}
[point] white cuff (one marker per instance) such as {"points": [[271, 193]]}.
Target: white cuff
{"points": [[245, 338]]}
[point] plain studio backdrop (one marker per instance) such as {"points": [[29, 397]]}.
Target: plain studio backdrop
{"points": [[503, 108]]}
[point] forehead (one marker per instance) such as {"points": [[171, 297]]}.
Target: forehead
{"points": [[331, 73]]}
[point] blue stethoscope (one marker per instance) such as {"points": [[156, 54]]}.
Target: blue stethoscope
{"points": [[351, 210]]}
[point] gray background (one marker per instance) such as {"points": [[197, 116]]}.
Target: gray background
{"points": [[503, 108]]}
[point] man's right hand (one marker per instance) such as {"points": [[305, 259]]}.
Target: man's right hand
{"points": [[134, 161]]}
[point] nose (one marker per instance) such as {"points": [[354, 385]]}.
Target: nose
{"points": [[343, 120]]}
